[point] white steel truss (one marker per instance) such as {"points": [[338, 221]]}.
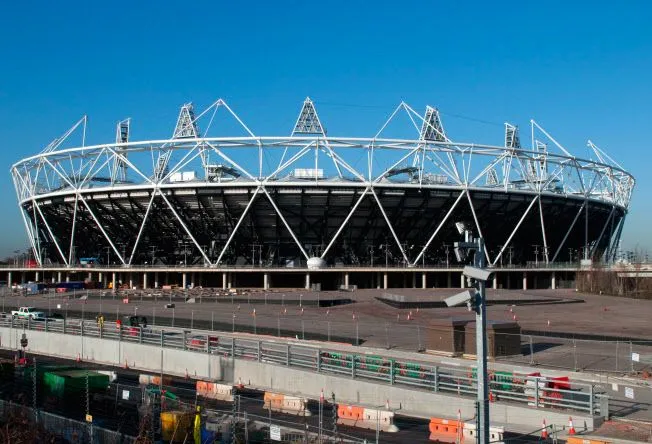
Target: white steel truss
{"points": [[429, 162]]}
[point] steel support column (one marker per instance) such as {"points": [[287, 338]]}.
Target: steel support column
{"points": [[518, 225]]}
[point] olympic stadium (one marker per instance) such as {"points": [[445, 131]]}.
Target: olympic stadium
{"points": [[312, 200]]}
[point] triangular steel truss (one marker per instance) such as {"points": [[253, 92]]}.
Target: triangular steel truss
{"points": [[186, 123], [432, 128], [308, 121]]}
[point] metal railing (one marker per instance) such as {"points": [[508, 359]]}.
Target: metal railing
{"points": [[522, 389]]}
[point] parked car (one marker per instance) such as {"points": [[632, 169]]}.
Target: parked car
{"points": [[135, 321], [27, 313]]}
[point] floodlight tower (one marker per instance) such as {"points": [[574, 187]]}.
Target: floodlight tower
{"points": [[476, 301]]}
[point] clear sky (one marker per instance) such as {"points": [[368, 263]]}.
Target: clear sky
{"points": [[581, 69]]}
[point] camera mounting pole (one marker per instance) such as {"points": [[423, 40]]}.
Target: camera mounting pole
{"points": [[478, 276]]}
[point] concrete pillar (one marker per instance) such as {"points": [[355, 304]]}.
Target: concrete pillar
{"points": [[307, 281], [224, 281], [144, 281], [53, 279], [67, 277], [200, 279], [115, 283], [385, 280], [462, 280], [266, 281], [100, 277], [9, 279], [90, 276], [184, 279], [156, 279], [36, 277], [553, 281], [59, 276], [22, 277], [192, 280], [131, 281], [495, 281], [423, 280], [346, 279], [449, 280], [378, 280], [524, 281], [229, 283]]}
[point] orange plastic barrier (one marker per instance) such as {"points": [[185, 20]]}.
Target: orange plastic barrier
{"points": [[578, 440], [350, 412], [212, 390], [286, 404], [445, 430], [145, 379]]}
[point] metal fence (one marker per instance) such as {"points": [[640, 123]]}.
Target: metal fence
{"points": [[532, 390], [247, 414], [282, 315], [68, 429]]}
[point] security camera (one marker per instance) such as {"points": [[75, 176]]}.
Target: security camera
{"points": [[478, 274], [462, 298], [460, 253]]}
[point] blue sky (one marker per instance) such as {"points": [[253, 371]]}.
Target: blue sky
{"points": [[581, 69]]}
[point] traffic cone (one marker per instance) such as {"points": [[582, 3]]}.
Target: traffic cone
{"points": [[78, 358], [321, 396], [544, 431], [571, 428], [491, 396], [387, 405], [126, 364], [186, 373], [240, 384]]}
